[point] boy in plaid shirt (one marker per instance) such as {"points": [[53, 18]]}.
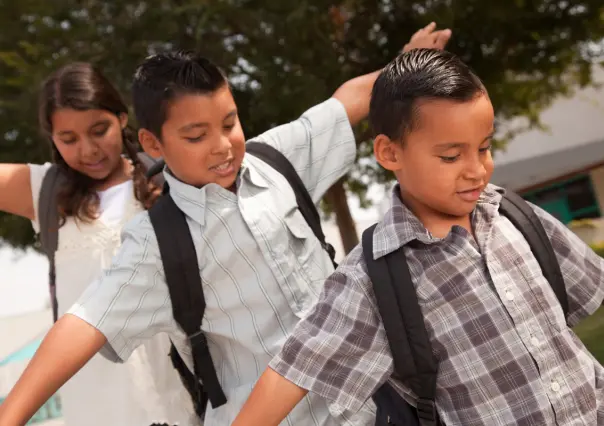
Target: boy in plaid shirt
{"points": [[506, 353]]}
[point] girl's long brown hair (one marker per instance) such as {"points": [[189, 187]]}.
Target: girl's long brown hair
{"points": [[82, 87]]}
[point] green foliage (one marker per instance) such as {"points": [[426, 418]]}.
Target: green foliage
{"points": [[598, 248], [286, 56]]}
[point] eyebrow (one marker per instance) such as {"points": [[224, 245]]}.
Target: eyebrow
{"points": [[202, 124], [450, 145], [100, 122], [70, 132]]}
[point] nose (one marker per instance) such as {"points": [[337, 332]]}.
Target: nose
{"points": [[88, 148], [475, 169], [224, 145]]}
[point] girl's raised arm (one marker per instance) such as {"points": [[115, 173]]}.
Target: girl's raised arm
{"points": [[15, 190]]}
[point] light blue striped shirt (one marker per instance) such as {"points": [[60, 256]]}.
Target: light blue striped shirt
{"points": [[261, 266]]}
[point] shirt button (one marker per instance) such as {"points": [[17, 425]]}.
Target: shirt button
{"points": [[509, 295], [555, 386], [535, 341]]}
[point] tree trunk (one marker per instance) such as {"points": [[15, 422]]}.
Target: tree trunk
{"points": [[336, 197]]}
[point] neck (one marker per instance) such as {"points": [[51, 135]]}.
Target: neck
{"points": [[121, 174], [437, 223]]}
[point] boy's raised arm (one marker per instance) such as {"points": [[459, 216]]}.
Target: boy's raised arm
{"points": [[270, 402], [355, 93], [67, 347]]}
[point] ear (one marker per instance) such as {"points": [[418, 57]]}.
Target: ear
{"points": [[388, 153], [123, 120], [151, 145]]}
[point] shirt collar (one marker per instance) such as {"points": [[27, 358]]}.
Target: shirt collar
{"points": [[189, 199], [251, 171], [400, 226], [192, 200]]}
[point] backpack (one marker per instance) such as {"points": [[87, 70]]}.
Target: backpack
{"points": [[48, 218], [403, 322], [181, 270]]}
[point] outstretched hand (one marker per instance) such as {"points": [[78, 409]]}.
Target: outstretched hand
{"points": [[428, 38]]}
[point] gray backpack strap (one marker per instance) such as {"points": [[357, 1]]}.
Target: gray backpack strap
{"points": [[48, 218]]}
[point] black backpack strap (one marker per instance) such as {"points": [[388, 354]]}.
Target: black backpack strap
{"points": [[153, 168], [307, 207], [181, 269], [404, 323], [48, 218], [524, 218]]}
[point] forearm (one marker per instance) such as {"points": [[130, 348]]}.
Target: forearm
{"points": [[15, 190], [64, 351], [355, 95], [270, 402]]}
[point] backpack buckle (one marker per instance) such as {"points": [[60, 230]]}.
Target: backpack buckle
{"points": [[426, 409], [330, 250], [198, 339]]}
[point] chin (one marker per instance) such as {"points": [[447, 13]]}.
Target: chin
{"points": [[101, 175], [227, 183]]}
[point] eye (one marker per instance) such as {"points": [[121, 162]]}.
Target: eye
{"points": [[485, 149], [450, 159], [195, 139], [228, 126], [100, 132], [68, 141]]}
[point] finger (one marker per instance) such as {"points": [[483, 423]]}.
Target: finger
{"points": [[430, 27], [417, 34], [423, 31], [442, 38]]}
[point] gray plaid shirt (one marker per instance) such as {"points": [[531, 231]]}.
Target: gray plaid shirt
{"points": [[505, 353]]}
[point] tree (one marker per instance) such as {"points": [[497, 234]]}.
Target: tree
{"points": [[285, 56]]}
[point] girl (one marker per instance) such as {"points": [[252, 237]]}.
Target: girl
{"points": [[87, 123]]}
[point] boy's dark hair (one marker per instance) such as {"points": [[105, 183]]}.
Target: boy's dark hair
{"points": [[420, 74], [163, 77]]}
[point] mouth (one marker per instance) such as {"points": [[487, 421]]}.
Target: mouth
{"points": [[470, 195], [97, 165], [224, 169]]}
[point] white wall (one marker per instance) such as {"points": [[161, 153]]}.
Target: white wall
{"points": [[19, 330], [572, 121]]}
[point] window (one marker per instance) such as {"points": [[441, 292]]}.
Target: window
{"points": [[569, 200]]}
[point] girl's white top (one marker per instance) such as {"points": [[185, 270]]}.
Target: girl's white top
{"points": [[144, 390]]}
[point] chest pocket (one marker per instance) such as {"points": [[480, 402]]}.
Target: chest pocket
{"points": [[309, 262]]}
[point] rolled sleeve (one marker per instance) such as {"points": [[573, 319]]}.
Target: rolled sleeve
{"points": [[340, 350], [582, 269], [129, 303], [320, 145]]}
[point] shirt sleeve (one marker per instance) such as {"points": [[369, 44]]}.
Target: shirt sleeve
{"points": [[582, 269], [320, 145], [130, 302], [340, 351], [36, 176]]}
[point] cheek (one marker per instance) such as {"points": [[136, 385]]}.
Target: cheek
{"points": [[186, 159], [112, 142], [69, 153], [429, 175], [489, 166], [237, 140]]}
